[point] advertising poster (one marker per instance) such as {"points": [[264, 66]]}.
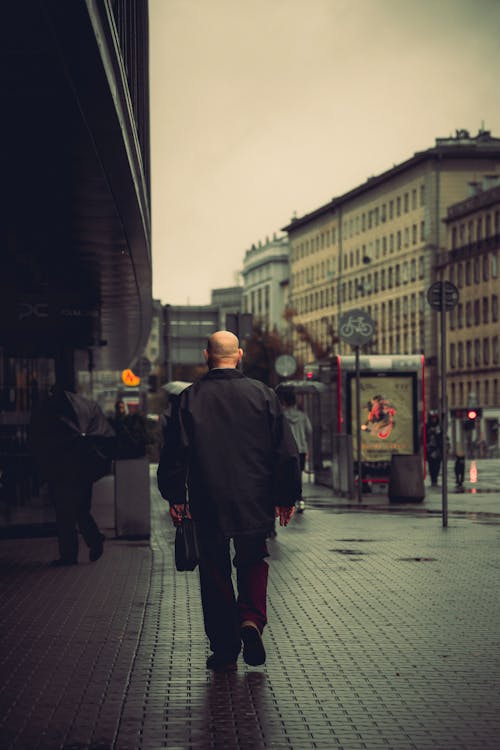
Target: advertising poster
{"points": [[387, 415]]}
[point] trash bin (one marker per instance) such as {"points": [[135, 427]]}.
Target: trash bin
{"points": [[406, 480], [132, 498]]}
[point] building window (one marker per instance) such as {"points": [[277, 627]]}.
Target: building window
{"points": [[468, 273], [421, 267], [460, 315], [391, 209], [493, 265], [477, 270], [468, 313], [495, 353], [477, 352], [486, 268], [468, 354], [486, 309], [414, 198], [422, 195], [398, 240], [389, 278], [452, 356], [398, 206], [414, 234], [486, 392], [452, 319], [406, 203], [422, 231], [460, 275], [391, 243], [413, 269], [486, 351], [460, 355], [494, 308], [407, 237], [477, 313]]}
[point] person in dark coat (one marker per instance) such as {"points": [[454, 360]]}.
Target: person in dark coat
{"points": [[434, 446], [228, 446], [72, 443]]}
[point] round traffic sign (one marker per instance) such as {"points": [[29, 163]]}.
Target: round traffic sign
{"points": [[442, 295], [356, 327], [285, 365]]}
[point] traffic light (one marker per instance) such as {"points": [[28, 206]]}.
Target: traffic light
{"points": [[472, 416]]}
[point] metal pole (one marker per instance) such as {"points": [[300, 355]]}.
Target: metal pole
{"points": [[444, 410], [358, 421]]}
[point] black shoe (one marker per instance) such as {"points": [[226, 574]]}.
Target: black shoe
{"points": [[254, 652], [221, 663], [96, 551], [61, 562]]}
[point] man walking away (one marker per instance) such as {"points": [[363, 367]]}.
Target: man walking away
{"points": [[228, 443]]}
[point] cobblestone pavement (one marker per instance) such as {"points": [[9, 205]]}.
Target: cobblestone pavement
{"points": [[383, 633]]}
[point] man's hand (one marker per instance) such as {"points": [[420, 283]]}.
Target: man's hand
{"points": [[177, 512], [284, 513]]}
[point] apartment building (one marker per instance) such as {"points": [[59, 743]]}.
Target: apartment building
{"points": [[265, 282], [375, 247], [473, 329]]}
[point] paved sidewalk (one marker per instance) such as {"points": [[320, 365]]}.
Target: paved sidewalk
{"points": [[481, 494], [383, 633]]}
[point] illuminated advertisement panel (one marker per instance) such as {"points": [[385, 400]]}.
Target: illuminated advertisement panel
{"points": [[387, 415]]}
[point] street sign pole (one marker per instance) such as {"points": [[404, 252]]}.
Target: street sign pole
{"points": [[443, 296], [358, 420], [444, 415], [357, 328]]}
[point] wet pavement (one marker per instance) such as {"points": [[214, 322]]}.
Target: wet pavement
{"points": [[480, 494], [383, 633]]}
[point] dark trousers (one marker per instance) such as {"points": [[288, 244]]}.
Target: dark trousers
{"points": [[72, 506], [434, 466], [223, 611]]}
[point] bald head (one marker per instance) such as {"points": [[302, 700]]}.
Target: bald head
{"points": [[223, 350]]}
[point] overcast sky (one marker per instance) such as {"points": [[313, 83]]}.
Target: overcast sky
{"points": [[265, 108]]}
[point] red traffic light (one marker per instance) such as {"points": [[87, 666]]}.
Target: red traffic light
{"points": [[471, 414], [309, 375]]}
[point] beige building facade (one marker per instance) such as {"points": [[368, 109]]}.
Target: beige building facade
{"points": [[376, 248], [473, 326], [265, 282]]}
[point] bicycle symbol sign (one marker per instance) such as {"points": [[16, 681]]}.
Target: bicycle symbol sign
{"points": [[356, 327]]}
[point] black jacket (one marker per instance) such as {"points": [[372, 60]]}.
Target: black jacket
{"points": [[228, 441], [71, 439]]}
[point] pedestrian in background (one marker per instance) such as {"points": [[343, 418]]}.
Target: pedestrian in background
{"points": [[228, 443], [72, 443], [434, 446], [300, 426]]}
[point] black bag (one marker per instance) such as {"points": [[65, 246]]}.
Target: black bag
{"points": [[187, 553]]}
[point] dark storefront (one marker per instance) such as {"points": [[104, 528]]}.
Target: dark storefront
{"points": [[75, 281]]}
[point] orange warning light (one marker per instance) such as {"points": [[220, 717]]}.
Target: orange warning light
{"points": [[130, 378]]}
